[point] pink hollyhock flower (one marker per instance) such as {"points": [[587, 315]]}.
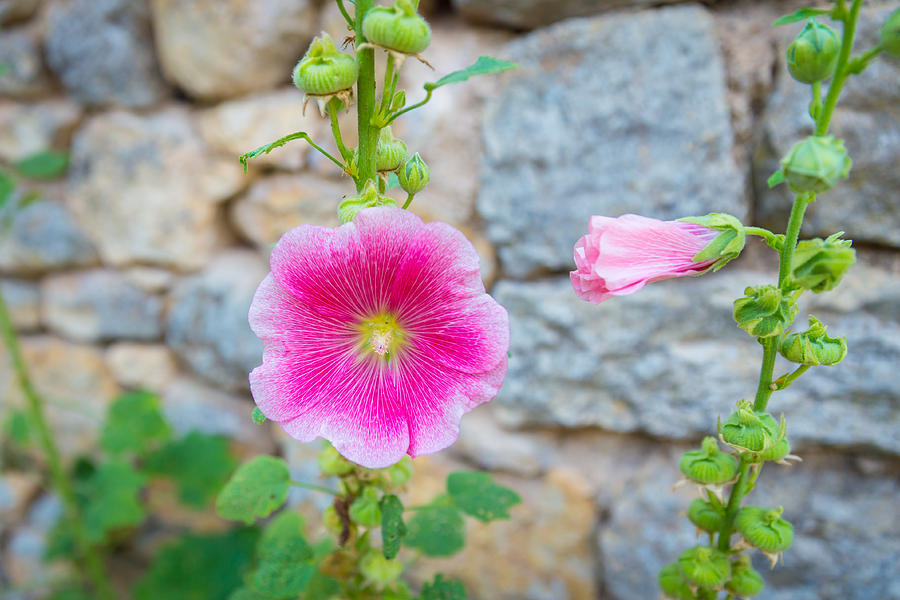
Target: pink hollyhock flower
{"points": [[377, 335], [619, 256]]}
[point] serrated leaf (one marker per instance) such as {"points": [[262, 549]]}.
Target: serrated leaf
{"points": [[258, 417], [199, 567], [112, 499], [134, 423], [483, 66], [283, 558], [392, 526], [44, 165], [801, 15], [776, 178], [198, 463], [477, 495], [258, 488], [266, 148], [436, 530], [444, 589]]}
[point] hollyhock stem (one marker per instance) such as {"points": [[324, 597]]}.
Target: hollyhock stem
{"points": [[317, 488], [365, 94], [58, 475], [336, 130], [738, 491], [840, 72]]}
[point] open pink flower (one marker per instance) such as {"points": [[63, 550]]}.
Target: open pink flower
{"points": [[377, 335], [619, 256]]}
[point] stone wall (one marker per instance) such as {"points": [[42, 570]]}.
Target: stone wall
{"points": [[137, 269]]}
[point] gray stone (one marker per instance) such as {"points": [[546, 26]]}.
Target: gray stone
{"points": [[669, 359], [145, 187], [216, 49], [615, 114], [529, 14], [99, 306], [25, 564], [102, 51], [24, 75], [23, 301], [868, 119], [207, 323], [26, 129], [141, 366], [44, 237]]}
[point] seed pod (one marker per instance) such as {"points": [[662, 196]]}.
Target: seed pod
{"points": [[764, 311], [745, 581], [749, 430], [813, 346], [397, 28], [705, 566], [673, 584], [764, 528], [324, 69], [709, 465], [813, 55], [819, 265], [816, 164], [414, 175], [365, 510], [705, 516], [390, 151], [890, 34]]}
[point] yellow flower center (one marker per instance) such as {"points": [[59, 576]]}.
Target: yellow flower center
{"points": [[381, 335]]}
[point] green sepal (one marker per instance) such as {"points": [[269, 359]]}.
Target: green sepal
{"points": [[748, 430], [816, 164], [257, 488], [726, 246], [393, 529], [443, 589], [889, 39], [819, 265], [704, 566], [813, 347], [800, 15], [378, 569], [812, 56], [476, 494], [705, 516], [331, 463], [284, 558], [745, 581], [775, 178], [765, 311], [367, 198], [673, 584], [437, 529], [324, 69], [134, 423], [709, 465], [397, 28], [198, 463]]}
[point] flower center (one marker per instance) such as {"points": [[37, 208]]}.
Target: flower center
{"points": [[381, 335]]}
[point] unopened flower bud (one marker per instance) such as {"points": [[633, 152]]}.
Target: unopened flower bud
{"points": [[726, 246], [673, 584], [819, 265], [332, 463], [324, 69], [368, 198], [365, 510], [748, 430], [816, 164], [705, 566], [890, 34], [389, 152], [397, 28], [764, 528], [745, 581], [813, 346], [764, 312], [709, 465], [813, 55], [705, 516], [378, 569], [414, 175]]}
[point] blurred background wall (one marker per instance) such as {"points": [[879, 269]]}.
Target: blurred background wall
{"points": [[137, 269]]}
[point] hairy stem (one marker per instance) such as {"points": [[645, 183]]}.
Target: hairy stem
{"points": [[738, 491], [365, 94], [841, 73], [58, 476]]}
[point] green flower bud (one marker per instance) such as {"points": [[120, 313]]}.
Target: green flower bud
{"points": [[397, 28], [709, 465], [725, 247], [399, 100], [745, 581], [390, 151], [890, 34], [332, 463], [813, 346], [749, 430], [673, 584], [324, 69], [378, 569], [414, 175], [365, 510], [813, 55], [764, 528], [819, 265], [705, 516], [778, 452], [401, 472], [764, 312], [705, 566], [815, 164], [368, 198]]}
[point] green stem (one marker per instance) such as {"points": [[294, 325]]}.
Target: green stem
{"points": [[840, 73], [318, 488], [336, 130], [411, 107], [409, 199], [738, 491], [816, 106], [58, 477], [365, 94], [789, 378], [771, 239], [344, 12], [386, 97]]}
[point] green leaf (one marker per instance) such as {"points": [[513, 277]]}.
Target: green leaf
{"points": [[392, 526], [483, 66], [47, 164], [258, 417], [477, 495], [112, 499], [198, 463], [322, 587], [16, 427], [444, 589], [284, 558], [7, 185], [258, 488], [266, 148], [437, 529], [199, 567], [134, 423], [246, 593], [801, 15], [776, 178]]}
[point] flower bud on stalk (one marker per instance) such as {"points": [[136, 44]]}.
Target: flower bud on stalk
{"points": [[705, 516], [414, 175], [890, 34], [709, 465], [368, 198], [813, 346], [765, 529], [764, 312], [673, 584], [726, 246], [365, 510], [813, 55], [331, 463], [397, 28], [751, 431], [745, 581], [325, 72], [816, 164], [705, 566], [389, 152], [819, 265]]}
